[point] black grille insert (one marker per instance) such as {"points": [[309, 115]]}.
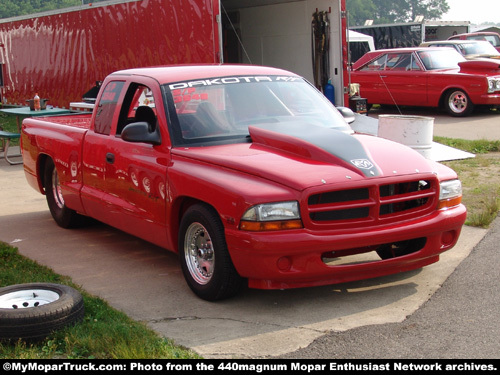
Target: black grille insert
{"points": [[373, 203], [339, 196]]}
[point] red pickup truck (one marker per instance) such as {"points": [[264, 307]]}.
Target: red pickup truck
{"points": [[248, 173]]}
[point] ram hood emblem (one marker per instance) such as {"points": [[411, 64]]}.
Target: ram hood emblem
{"points": [[362, 163]]}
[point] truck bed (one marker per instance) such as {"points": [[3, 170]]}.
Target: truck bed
{"points": [[58, 137], [79, 120]]}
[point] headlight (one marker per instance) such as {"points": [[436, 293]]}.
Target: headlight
{"points": [[493, 84], [272, 216], [450, 193]]}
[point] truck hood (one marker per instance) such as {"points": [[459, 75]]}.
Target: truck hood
{"points": [[287, 155]]}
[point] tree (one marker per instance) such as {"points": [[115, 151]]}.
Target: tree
{"points": [[14, 8], [391, 11], [360, 11]]}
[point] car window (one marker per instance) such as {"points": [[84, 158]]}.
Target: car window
{"points": [[393, 62], [138, 105], [440, 59], [107, 106], [479, 48], [378, 64], [221, 109], [493, 39]]}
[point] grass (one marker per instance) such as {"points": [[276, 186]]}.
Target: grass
{"points": [[105, 333], [479, 146], [9, 124], [480, 178]]}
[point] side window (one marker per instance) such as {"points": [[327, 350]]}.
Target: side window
{"points": [[414, 64], [493, 39], [138, 106], [107, 106], [378, 64], [402, 62]]}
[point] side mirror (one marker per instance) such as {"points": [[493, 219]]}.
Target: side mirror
{"points": [[347, 113], [139, 132]]}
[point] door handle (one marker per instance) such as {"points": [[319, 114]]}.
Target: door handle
{"points": [[110, 158]]}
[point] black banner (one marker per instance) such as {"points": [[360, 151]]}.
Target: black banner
{"points": [[258, 366]]}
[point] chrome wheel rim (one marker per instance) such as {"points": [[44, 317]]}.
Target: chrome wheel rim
{"points": [[458, 102], [199, 253], [56, 190]]}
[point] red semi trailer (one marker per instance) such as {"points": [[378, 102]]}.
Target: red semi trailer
{"points": [[61, 54]]}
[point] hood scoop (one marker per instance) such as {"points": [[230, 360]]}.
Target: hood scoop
{"points": [[316, 143]]}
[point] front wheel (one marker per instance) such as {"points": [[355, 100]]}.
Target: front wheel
{"points": [[205, 260], [457, 103]]}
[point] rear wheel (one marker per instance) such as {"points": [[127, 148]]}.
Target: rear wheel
{"points": [[457, 103], [205, 260], [63, 216]]}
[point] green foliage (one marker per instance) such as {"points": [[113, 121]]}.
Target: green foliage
{"points": [[14, 8], [480, 178], [14, 269], [9, 124], [478, 146], [391, 11]]}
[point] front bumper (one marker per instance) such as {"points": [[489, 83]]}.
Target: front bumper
{"points": [[291, 259], [488, 99]]}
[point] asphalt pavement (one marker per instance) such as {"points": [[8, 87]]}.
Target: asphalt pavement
{"points": [[445, 310]]}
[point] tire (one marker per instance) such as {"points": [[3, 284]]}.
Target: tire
{"points": [[205, 260], [30, 312], [63, 216], [457, 103]]}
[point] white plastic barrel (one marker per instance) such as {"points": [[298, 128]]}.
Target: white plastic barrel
{"points": [[413, 131]]}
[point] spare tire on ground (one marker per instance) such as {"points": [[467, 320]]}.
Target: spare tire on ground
{"points": [[32, 311]]}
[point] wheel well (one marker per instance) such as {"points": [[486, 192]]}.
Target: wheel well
{"points": [[42, 161], [443, 96]]}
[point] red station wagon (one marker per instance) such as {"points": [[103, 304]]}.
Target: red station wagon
{"points": [[427, 77]]}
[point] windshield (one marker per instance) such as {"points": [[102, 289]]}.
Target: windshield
{"points": [[222, 109], [445, 58], [479, 48]]}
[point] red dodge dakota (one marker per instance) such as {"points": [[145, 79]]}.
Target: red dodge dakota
{"points": [[249, 173]]}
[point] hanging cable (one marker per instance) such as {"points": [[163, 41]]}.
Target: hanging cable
{"points": [[236, 33]]}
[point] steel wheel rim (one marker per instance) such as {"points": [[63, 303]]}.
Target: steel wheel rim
{"points": [[24, 299], [199, 253], [458, 102], [56, 190]]}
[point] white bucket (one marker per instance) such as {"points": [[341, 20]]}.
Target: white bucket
{"points": [[413, 131]]}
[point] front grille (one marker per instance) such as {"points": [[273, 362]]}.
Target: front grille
{"points": [[373, 204]]}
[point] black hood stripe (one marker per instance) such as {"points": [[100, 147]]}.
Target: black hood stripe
{"points": [[334, 142]]}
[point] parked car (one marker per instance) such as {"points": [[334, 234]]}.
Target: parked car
{"points": [[470, 49], [489, 36], [427, 77]]}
